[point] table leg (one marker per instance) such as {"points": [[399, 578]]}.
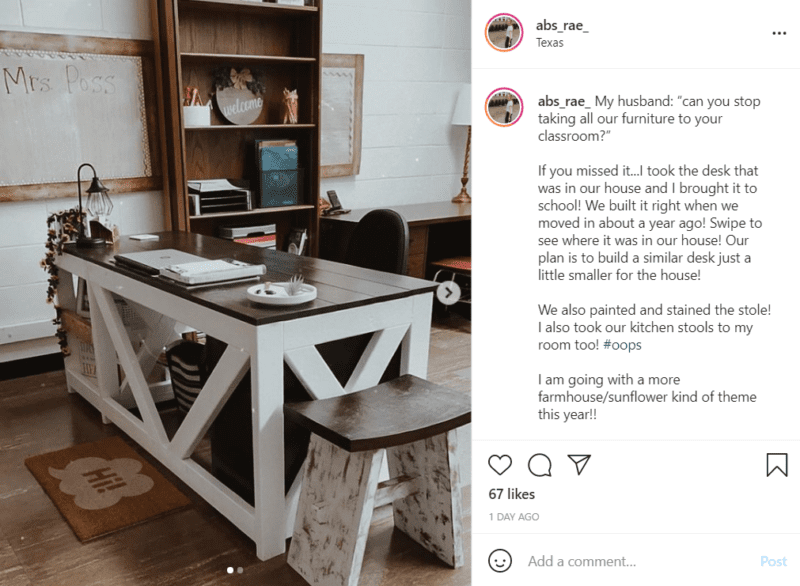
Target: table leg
{"points": [[161, 333], [268, 481], [417, 341], [104, 355]]}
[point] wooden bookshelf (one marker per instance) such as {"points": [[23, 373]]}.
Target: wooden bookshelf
{"points": [[282, 43]]}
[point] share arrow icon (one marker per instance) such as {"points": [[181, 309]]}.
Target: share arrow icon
{"points": [[580, 461]]}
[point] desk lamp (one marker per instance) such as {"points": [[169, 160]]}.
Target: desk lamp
{"points": [[98, 204], [462, 117]]}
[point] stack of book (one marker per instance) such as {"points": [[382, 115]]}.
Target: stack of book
{"points": [[265, 241], [279, 176], [261, 236]]}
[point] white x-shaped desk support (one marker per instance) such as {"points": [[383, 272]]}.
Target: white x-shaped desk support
{"points": [[263, 349]]}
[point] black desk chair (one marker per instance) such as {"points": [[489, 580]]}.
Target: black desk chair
{"points": [[380, 242]]}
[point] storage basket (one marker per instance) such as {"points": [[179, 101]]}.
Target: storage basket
{"points": [[130, 319], [81, 328]]}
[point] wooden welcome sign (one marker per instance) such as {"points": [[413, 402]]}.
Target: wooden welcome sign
{"points": [[238, 94], [71, 100], [239, 106]]}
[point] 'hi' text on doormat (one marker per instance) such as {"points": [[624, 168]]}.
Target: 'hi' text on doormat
{"points": [[104, 486]]}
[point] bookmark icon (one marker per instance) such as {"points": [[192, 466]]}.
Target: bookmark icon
{"points": [[779, 462], [580, 461]]}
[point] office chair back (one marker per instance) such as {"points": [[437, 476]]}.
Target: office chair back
{"points": [[380, 242]]}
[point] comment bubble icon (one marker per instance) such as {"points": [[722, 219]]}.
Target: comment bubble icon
{"points": [[540, 465]]}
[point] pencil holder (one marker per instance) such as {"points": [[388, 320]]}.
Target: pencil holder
{"points": [[197, 115]]}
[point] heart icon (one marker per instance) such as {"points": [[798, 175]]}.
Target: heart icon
{"points": [[499, 463]]}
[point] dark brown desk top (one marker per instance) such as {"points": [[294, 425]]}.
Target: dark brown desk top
{"points": [[417, 214], [339, 286]]}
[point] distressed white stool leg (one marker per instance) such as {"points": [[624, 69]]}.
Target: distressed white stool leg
{"points": [[333, 517], [431, 517]]}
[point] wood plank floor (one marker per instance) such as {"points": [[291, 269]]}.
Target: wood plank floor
{"points": [[191, 547]]}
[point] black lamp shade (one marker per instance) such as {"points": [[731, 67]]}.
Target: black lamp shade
{"points": [[97, 186]]}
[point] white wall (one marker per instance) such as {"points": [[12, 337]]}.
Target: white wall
{"points": [[25, 318], [126, 19], [417, 55]]}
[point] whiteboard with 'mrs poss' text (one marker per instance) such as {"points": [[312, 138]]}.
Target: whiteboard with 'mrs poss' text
{"points": [[60, 109]]}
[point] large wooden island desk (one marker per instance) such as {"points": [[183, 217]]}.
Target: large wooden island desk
{"points": [[394, 310], [437, 230]]}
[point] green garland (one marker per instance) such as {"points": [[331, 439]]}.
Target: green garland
{"points": [[62, 227]]}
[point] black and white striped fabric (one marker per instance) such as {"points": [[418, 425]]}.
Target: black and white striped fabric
{"points": [[186, 369]]}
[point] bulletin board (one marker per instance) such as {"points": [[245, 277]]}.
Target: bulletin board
{"points": [[71, 100], [342, 92]]}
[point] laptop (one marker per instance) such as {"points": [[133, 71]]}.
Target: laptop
{"points": [[152, 261]]}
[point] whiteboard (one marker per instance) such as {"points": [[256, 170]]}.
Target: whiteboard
{"points": [[60, 109], [338, 115]]}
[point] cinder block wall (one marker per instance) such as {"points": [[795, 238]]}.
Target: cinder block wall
{"points": [[25, 319], [416, 57]]}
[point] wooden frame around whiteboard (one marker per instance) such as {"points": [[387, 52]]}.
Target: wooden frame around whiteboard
{"points": [[355, 62], [100, 46]]}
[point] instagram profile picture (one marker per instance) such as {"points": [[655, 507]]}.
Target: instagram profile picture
{"points": [[504, 107], [504, 32]]}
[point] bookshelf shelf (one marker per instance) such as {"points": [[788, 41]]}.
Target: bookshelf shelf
{"points": [[281, 45], [256, 212], [234, 127], [248, 58], [247, 7]]}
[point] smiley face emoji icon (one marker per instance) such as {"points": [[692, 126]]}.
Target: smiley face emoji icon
{"points": [[500, 560]]}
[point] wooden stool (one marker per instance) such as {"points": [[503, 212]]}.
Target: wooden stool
{"points": [[415, 422], [457, 265]]}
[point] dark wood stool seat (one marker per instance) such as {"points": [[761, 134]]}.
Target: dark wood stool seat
{"points": [[411, 422], [394, 413]]}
